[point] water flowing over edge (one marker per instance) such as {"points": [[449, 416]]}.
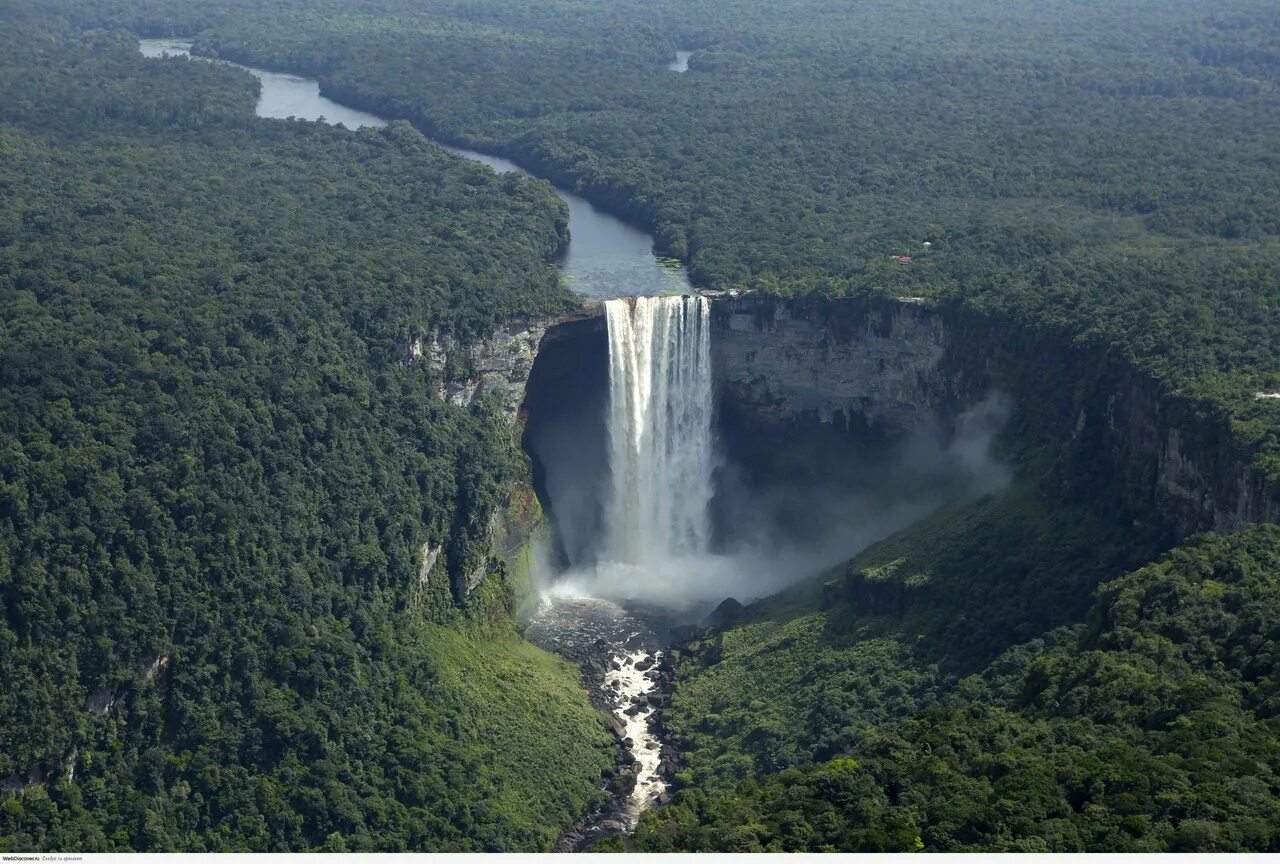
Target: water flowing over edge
{"points": [[659, 428]]}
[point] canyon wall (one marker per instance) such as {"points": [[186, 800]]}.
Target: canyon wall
{"points": [[833, 361], [891, 367], [498, 365], [895, 365]]}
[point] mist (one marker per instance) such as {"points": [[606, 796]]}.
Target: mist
{"points": [[769, 534]]}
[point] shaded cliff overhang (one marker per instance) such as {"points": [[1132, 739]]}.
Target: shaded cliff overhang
{"points": [[893, 365], [563, 431]]}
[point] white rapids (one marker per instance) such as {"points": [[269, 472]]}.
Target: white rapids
{"points": [[634, 686]]}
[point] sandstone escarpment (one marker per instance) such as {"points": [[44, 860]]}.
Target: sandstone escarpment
{"points": [[899, 365], [895, 367]]}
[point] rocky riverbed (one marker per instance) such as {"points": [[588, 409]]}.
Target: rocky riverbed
{"points": [[623, 654]]}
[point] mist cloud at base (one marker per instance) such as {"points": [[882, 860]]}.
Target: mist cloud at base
{"points": [[784, 533]]}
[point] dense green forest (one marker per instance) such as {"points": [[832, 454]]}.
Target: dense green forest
{"points": [[217, 471], [1105, 172], [1154, 725], [219, 465]]}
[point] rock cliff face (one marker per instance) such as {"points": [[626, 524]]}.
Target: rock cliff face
{"points": [[498, 363], [896, 365], [833, 361], [893, 367], [465, 371]]}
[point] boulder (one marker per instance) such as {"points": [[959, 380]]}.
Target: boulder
{"points": [[729, 612]]}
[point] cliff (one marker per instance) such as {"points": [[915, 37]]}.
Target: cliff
{"points": [[891, 367], [498, 365], [834, 361], [896, 365]]}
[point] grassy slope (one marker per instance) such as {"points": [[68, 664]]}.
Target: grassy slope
{"points": [[534, 738]]}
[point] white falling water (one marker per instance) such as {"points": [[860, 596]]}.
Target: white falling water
{"points": [[659, 430]]}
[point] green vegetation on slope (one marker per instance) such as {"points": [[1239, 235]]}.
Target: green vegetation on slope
{"points": [[1154, 725], [215, 454], [1104, 172], [891, 632], [218, 469]]}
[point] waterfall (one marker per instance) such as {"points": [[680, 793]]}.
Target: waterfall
{"points": [[659, 427]]}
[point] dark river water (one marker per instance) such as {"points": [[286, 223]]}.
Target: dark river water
{"points": [[606, 257]]}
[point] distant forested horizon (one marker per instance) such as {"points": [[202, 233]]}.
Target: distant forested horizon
{"points": [[1102, 172]]}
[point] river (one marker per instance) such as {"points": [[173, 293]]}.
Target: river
{"points": [[605, 258], [618, 649]]}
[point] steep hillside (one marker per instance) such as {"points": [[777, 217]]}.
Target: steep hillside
{"points": [[1152, 726]]}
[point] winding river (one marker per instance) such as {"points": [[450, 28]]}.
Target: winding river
{"points": [[619, 650], [605, 258]]}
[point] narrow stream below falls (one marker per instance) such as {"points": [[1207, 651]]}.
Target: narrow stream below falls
{"points": [[622, 650]]}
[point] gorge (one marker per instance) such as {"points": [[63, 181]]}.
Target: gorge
{"points": [[690, 449], [362, 492], [1171, 455]]}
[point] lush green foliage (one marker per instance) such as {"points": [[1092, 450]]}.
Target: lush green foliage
{"points": [[903, 622], [218, 469], [1105, 172], [1153, 726]]}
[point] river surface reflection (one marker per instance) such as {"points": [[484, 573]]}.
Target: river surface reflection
{"points": [[606, 258]]}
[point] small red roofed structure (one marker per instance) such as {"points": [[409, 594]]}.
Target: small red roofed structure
{"points": [[901, 259]]}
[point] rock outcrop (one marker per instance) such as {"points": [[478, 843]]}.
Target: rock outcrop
{"points": [[430, 555], [896, 365], [500, 362], [466, 371], [497, 363], [832, 360]]}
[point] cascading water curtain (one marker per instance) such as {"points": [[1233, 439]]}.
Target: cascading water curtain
{"points": [[659, 429]]}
